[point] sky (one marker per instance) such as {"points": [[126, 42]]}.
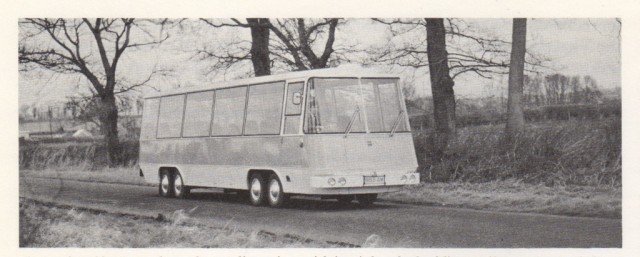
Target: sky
{"points": [[573, 46]]}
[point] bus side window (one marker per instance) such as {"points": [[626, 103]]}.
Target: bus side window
{"points": [[228, 113], [197, 114], [293, 108], [149, 118], [170, 118], [264, 109]]}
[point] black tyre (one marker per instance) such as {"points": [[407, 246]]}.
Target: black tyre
{"points": [[165, 188], [257, 190], [276, 196], [179, 189], [366, 199], [345, 199]]}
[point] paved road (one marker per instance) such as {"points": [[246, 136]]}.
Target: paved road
{"points": [[397, 225]]}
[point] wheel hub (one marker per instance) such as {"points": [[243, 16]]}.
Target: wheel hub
{"points": [[274, 191], [165, 184], [255, 189], [178, 184]]}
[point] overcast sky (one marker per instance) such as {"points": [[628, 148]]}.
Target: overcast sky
{"points": [[574, 46]]}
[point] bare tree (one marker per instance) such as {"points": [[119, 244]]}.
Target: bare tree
{"points": [[576, 89], [469, 50], [260, 45], [292, 48], [444, 104], [258, 54], [591, 92], [71, 51], [515, 116], [533, 90], [297, 38]]}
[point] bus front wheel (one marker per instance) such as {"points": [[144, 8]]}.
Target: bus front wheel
{"points": [[276, 195], [366, 199], [257, 189]]}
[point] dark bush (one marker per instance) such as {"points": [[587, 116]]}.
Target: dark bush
{"points": [[564, 152], [73, 153]]}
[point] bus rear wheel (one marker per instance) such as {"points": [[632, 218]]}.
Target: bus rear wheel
{"points": [[276, 195], [165, 188], [257, 189], [366, 199]]}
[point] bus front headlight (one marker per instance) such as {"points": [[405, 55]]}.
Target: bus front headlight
{"points": [[331, 181], [342, 181], [412, 178], [403, 178]]}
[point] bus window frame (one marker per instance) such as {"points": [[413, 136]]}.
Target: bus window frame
{"points": [[303, 115], [157, 116], [184, 101], [306, 108], [215, 100], [282, 104], [400, 100], [213, 104]]}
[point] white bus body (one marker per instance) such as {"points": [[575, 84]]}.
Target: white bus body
{"points": [[321, 132]]}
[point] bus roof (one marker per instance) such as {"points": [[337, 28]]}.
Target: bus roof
{"points": [[303, 75]]}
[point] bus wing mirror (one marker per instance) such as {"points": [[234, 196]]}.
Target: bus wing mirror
{"points": [[297, 98]]}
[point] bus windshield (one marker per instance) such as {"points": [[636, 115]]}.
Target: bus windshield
{"points": [[335, 103]]}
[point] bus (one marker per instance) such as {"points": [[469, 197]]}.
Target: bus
{"points": [[334, 133]]}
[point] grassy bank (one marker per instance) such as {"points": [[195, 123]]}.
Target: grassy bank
{"points": [[44, 225], [513, 196]]}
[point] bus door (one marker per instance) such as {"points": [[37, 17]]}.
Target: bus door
{"points": [[293, 108]]}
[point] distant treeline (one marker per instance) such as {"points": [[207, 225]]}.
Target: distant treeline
{"points": [[551, 97], [544, 113]]}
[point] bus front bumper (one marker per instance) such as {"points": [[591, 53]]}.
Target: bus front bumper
{"points": [[350, 181]]}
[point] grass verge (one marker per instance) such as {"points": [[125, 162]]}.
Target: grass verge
{"points": [[514, 196], [46, 225], [127, 176]]}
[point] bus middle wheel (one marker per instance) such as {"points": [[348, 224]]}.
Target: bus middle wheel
{"points": [[276, 195], [179, 189], [165, 188], [257, 189]]}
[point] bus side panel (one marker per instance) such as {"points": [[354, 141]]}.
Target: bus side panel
{"points": [[220, 161]]}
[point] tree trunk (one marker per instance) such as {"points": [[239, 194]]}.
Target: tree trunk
{"points": [[444, 104], [515, 120], [109, 126], [260, 46]]}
